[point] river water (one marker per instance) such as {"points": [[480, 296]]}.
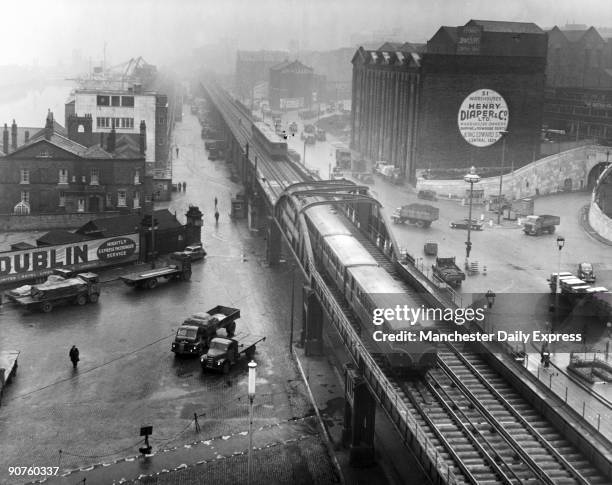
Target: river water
{"points": [[28, 104]]}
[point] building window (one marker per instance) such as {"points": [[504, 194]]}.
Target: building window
{"points": [[127, 101], [102, 122], [127, 123], [63, 176], [25, 177], [162, 120], [115, 100], [121, 198], [103, 100], [83, 179], [81, 205], [95, 176], [25, 196], [62, 199], [137, 177], [136, 200]]}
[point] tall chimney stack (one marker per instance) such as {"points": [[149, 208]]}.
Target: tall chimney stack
{"points": [[5, 140], [14, 136], [49, 125], [111, 140]]}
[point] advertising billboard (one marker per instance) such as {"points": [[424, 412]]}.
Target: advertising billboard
{"points": [[36, 262], [483, 117]]}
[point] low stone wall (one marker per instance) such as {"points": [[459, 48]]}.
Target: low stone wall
{"points": [[600, 222], [43, 222], [566, 171]]}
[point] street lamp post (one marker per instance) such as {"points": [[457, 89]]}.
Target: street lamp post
{"points": [[501, 175], [471, 178], [252, 376], [490, 295], [304, 158], [560, 244]]}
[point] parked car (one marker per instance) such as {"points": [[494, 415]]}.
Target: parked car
{"points": [[585, 272], [463, 224], [427, 195], [194, 252]]}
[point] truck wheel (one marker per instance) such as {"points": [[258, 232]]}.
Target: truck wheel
{"points": [[551, 230], [420, 224], [427, 224], [46, 307], [81, 300], [226, 367], [231, 329], [94, 297], [186, 275], [152, 283]]}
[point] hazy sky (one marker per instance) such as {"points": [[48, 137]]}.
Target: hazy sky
{"points": [[49, 30]]}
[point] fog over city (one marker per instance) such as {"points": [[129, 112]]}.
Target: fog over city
{"points": [[46, 33]]}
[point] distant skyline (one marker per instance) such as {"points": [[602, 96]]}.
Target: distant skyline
{"points": [[46, 33]]}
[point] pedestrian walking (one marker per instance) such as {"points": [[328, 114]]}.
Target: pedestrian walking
{"points": [[178, 186], [216, 216], [74, 356], [184, 186], [177, 150], [216, 202]]}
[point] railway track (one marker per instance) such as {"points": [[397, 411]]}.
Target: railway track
{"points": [[480, 426], [463, 389]]}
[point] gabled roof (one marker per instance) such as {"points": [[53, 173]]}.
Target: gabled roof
{"points": [[127, 224], [452, 32], [57, 128], [58, 236], [96, 151], [291, 66], [509, 27], [391, 46]]}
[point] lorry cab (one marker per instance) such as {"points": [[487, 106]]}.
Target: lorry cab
{"points": [[189, 339], [585, 272]]}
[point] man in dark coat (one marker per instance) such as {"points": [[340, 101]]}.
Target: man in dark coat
{"points": [[74, 356]]}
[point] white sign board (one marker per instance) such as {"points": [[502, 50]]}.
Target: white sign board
{"points": [[482, 118]]}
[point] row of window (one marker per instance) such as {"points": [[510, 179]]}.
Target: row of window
{"points": [[94, 177], [117, 123], [106, 100], [121, 200]]}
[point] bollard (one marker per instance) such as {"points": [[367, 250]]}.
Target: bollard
{"points": [[583, 407], [550, 381], [565, 394], [598, 421]]}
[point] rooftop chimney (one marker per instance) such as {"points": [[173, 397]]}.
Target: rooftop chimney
{"points": [[14, 136], [49, 125], [5, 145], [143, 137], [110, 141]]}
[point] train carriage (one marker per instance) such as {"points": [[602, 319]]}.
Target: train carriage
{"points": [[369, 288], [266, 139]]}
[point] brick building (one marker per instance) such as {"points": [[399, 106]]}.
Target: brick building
{"points": [[50, 173], [578, 99], [292, 85], [406, 104]]}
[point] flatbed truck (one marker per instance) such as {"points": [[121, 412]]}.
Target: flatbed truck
{"points": [[83, 288], [150, 279], [8, 368], [422, 215], [223, 353], [447, 270], [194, 335]]}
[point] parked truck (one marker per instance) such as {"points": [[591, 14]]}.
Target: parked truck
{"points": [[194, 335], [447, 270], [223, 353], [83, 288], [150, 279], [536, 225], [420, 214]]}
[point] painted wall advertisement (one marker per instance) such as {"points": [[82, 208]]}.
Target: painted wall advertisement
{"points": [[483, 117], [291, 103], [36, 262]]}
